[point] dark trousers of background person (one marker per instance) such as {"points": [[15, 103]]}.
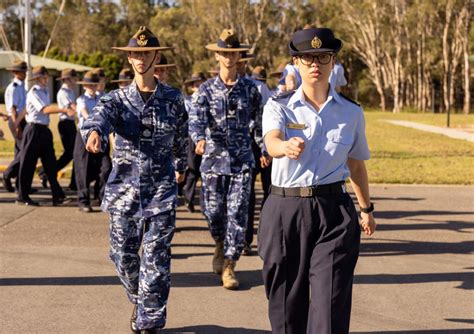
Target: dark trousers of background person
{"points": [[192, 173], [67, 131], [89, 167], [309, 247], [37, 143], [266, 179], [14, 167]]}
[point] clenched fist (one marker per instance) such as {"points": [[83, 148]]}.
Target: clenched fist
{"points": [[294, 147], [93, 142], [200, 147]]}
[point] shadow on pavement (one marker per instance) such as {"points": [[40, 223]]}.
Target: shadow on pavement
{"points": [[388, 247], [467, 321], [248, 279], [188, 255], [212, 329], [422, 331], [466, 279], [406, 214], [450, 225]]}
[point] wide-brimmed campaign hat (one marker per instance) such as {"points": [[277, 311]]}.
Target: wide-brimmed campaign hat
{"points": [[245, 56], [100, 72], [90, 78], [214, 71], [227, 41], [314, 40], [198, 76], [67, 73], [125, 75], [259, 73], [38, 72], [278, 72], [18, 66], [164, 62], [143, 40]]}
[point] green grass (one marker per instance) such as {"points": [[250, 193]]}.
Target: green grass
{"points": [[399, 154], [405, 155]]}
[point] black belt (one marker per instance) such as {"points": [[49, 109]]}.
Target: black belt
{"points": [[324, 189], [39, 125]]}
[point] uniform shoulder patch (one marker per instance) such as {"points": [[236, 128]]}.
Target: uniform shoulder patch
{"points": [[350, 100], [106, 98], [282, 98]]}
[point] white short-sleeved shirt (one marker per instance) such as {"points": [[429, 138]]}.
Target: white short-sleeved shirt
{"points": [[337, 78], [331, 136], [263, 90], [65, 98], [36, 100], [291, 69], [88, 102], [15, 96]]}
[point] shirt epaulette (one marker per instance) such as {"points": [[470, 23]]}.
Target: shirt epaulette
{"points": [[350, 100], [15, 84], [283, 98]]}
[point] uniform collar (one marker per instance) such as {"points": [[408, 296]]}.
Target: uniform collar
{"points": [[86, 94], [218, 81], [65, 87], [298, 96], [18, 81]]}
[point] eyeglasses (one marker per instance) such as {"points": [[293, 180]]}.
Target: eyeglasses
{"points": [[322, 58]]}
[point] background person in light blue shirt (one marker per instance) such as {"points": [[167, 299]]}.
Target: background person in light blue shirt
{"points": [[15, 103], [38, 140], [87, 165], [309, 234], [66, 98]]}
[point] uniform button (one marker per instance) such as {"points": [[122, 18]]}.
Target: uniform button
{"points": [[146, 133]]}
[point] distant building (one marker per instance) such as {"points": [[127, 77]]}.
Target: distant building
{"points": [[54, 69]]}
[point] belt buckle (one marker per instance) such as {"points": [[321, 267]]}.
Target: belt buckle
{"points": [[306, 192]]}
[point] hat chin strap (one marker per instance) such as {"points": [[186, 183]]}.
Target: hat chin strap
{"points": [[148, 68]]}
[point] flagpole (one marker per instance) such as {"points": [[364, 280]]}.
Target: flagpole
{"points": [[27, 47]]}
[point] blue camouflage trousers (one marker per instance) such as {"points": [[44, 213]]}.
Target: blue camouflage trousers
{"points": [[225, 199], [147, 277]]}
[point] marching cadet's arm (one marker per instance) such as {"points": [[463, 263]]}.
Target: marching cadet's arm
{"points": [[54, 110], [99, 124], [18, 118], [180, 145], [360, 184], [256, 116], [198, 118], [278, 148], [84, 113], [290, 82]]}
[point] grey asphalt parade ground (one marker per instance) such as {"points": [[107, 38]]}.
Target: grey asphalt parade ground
{"points": [[415, 275]]}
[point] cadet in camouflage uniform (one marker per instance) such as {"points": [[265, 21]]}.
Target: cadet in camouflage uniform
{"points": [[223, 114], [150, 125]]}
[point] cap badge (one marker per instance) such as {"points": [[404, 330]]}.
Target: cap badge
{"points": [[316, 43], [142, 40]]}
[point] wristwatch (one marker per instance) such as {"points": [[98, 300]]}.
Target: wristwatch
{"points": [[369, 209]]}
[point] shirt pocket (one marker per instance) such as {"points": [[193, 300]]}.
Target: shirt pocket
{"points": [[339, 142]]}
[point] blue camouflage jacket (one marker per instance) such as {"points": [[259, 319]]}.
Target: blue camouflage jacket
{"points": [[150, 144], [226, 118]]}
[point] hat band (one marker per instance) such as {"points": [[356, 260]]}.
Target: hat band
{"points": [[149, 43], [224, 45], [19, 68], [90, 80], [125, 77]]}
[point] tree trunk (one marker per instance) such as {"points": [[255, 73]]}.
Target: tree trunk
{"points": [[446, 55]]}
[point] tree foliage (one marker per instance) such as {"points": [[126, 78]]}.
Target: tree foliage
{"points": [[397, 53]]}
